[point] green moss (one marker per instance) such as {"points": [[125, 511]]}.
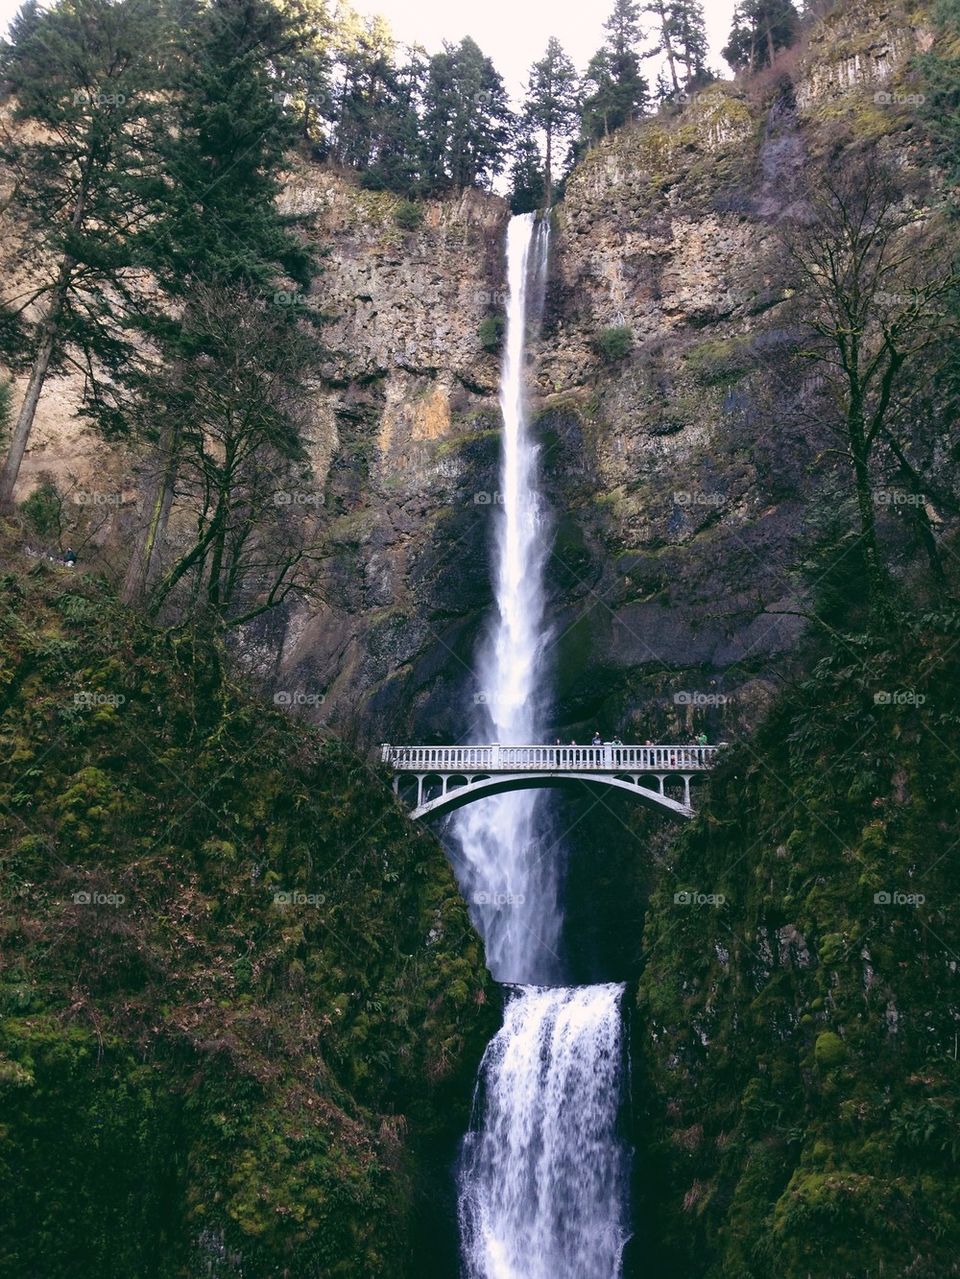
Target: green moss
{"points": [[828, 1071], [829, 1051], [178, 1055]]}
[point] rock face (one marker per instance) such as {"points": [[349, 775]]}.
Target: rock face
{"points": [[682, 477]]}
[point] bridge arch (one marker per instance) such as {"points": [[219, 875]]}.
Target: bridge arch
{"points": [[476, 788]]}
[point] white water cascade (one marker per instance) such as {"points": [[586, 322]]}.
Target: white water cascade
{"points": [[508, 876], [542, 1184]]}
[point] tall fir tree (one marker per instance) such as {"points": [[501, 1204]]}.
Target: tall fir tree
{"points": [[85, 160], [551, 106], [466, 121], [681, 38], [761, 28], [218, 224], [621, 91], [526, 176]]}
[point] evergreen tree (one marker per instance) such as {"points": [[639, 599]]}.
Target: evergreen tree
{"points": [[305, 73], [551, 105], [681, 37], [760, 29], [217, 225], [621, 91], [85, 75], [365, 55], [217, 220], [396, 152], [466, 121], [526, 177], [596, 95]]}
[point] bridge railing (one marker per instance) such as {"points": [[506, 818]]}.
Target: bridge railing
{"points": [[496, 758]]}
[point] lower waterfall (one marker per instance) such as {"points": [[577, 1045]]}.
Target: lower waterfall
{"points": [[543, 1175]]}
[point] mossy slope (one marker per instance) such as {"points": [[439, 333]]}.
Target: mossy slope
{"points": [[803, 1087], [204, 1077]]}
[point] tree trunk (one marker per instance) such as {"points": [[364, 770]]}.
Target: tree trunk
{"points": [[143, 563], [38, 375], [860, 453], [548, 184], [771, 51], [668, 47]]}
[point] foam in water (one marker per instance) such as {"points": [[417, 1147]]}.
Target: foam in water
{"points": [[543, 1175]]}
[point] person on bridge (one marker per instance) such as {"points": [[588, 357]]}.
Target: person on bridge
{"points": [[701, 739], [616, 741], [597, 739]]}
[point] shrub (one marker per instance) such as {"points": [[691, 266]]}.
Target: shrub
{"points": [[408, 215], [42, 511], [491, 332], [615, 343]]}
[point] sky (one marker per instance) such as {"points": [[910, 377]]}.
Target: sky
{"points": [[513, 33]]}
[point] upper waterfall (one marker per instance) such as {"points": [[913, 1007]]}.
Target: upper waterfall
{"points": [[507, 871]]}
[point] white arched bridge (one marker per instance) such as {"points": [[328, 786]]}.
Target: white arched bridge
{"points": [[448, 777]]}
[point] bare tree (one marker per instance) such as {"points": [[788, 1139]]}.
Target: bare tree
{"points": [[874, 276], [231, 418]]}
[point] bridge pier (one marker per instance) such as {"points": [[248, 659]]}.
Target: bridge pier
{"points": [[686, 790], [661, 778]]}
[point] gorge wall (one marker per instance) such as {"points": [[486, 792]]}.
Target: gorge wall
{"points": [[681, 476]]}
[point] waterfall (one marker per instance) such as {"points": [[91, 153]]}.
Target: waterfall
{"points": [[542, 1177], [508, 876]]}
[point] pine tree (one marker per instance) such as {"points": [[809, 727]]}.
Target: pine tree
{"points": [[396, 157], [681, 37], [305, 73], [596, 94], [466, 120], [365, 55], [551, 105], [760, 29], [217, 225], [85, 74], [526, 177], [621, 91]]}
